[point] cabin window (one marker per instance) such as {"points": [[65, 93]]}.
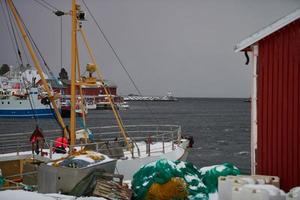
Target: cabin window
{"points": [[20, 102], [35, 92], [8, 102], [2, 102]]}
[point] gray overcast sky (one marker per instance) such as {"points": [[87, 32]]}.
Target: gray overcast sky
{"points": [[183, 46]]}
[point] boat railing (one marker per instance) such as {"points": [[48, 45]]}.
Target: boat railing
{"points": [[107, 139], [20, 142]]}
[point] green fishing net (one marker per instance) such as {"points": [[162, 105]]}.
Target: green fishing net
{"points": [[210, 175], [2, 181], [199, 183]]}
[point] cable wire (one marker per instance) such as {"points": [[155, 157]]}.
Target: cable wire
{"points": [[31, 103], [53, 7], [22, 45], [118, 58], [9, 32], [45, 6], [37, 49], [14, 34], [61, 40], [35, 46], [114, 51]]}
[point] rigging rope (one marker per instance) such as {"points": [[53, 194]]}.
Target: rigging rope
{"points": [[45, 6], [31, 103], [14, 34], [9, 33], [59, 13], [110, 45], [53, 7], [61, 47], [39, 52], [22, 45], [54, 10], [36, 47], [119, 60]]}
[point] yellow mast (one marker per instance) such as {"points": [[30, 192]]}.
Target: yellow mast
{"points": [[100, 76], [73, 73], [37, 65]]}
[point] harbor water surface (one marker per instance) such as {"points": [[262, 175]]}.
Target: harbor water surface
{"points": [[220, 127]]}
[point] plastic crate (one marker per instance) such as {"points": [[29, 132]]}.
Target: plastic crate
{"points": [[226, 184], [257, 192]]}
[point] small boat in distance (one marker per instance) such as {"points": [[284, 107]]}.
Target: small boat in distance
{"points": [[133, 97]]}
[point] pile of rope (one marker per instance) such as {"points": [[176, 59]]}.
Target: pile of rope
{"points": [[165, 179]]}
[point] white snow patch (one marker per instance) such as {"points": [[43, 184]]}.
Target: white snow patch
{"points": [[220, 168], [203, 170], [213, 196], [190, 178], [24, 195], [181, 165]]}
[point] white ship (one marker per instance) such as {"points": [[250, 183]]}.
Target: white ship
{"points": [[21, 98]]}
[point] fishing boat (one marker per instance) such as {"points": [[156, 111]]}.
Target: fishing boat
{"points": [[123, 148], [21, 98]]}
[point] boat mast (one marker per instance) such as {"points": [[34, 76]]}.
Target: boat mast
{"points": [[37, 64], [106, 90], [75, 63], [73, 72]]}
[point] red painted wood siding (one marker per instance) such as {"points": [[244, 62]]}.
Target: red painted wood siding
{"points": [[278, 102]]}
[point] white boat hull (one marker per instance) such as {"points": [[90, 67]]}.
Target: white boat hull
{"points": [[29, 106], [130, 166]]}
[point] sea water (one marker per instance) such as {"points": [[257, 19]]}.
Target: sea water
{"points": [[220, 127]]}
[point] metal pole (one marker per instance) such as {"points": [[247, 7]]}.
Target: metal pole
{"points": [[173, 141], [254, 111], [73, 73], [163, 143]]}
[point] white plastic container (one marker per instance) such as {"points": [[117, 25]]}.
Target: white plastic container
{"points": [[226, 184], [257, 192], [294, 194], [262, 179]]}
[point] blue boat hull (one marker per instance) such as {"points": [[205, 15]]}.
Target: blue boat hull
{"points": [[27, 113]]}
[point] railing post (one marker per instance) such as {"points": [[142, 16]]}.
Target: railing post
{"points": [[50, 149], [138, 150], [18, 146], [132, 150], [157, 133], [173, 141], [148, 146], [163, 143], [97, 146]]}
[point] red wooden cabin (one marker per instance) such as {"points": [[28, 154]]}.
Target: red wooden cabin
{"points": [[275, 129]]}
